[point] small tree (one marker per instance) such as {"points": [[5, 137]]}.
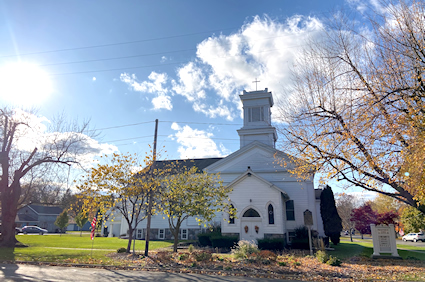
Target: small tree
{"points": [[363, 217], [412, 220], [331, 219], [116, 186], [190, 192], [81, 219], [62, 221]]}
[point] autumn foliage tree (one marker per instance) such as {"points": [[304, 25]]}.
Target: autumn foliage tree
{"points": [[121, 185], [189, 192], [356, 111], [81, 219], [363, 217], [412, 220]]}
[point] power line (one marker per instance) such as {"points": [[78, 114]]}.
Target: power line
{"points": [[189, 137], [116, 58], [119, 126], [114, 44]]}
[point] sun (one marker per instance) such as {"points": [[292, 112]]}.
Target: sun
{"points": [[24, 84]]}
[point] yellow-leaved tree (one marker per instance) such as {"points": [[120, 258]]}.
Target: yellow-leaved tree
{"points": [[186, 192], [122, 185], [356, 112]]}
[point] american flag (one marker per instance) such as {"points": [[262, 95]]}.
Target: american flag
{"points": [[93, 228]]}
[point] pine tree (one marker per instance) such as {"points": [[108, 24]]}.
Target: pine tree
{"points": [[331, 220]]}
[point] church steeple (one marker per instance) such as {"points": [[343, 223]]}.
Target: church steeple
{"points": [[257, 118]]}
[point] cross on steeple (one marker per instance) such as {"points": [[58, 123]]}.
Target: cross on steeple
{"points": [[255, 81]]}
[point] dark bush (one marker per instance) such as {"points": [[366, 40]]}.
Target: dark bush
{"points": [[226, 242], [301, 232], [335, 238], [205, 239], [121, 250], [301, 244], [276, 244]]}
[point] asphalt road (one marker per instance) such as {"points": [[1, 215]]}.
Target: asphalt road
{"points": [[23, 272]]}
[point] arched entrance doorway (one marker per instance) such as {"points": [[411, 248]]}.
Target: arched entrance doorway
{"points": [[251, 225]]}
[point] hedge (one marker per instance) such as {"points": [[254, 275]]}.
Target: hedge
{"points": [[275, 244]]}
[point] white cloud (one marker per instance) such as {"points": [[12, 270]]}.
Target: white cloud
{"points": [[155, 85], [36, 134], [227, 64], [162, 102], [196, 143]]}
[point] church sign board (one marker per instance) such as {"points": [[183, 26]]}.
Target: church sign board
{"points": [[383, 237]]}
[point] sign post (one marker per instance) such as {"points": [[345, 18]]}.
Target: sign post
{"points": [[308, 221]]}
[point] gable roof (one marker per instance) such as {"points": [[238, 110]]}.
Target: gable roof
{"points": [[189, 163], [250, 173], [241, 151], [42, 209]]}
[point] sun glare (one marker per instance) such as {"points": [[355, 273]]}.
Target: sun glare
{"points": [[24, 84]]}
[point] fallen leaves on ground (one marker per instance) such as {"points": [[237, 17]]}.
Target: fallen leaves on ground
{"points": [[293, 265]]}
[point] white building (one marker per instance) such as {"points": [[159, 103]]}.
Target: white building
{"points": [[269, 200]]}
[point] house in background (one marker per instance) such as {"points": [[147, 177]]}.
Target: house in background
{"points": [[270, 201], [72, 226], [39, 215]]}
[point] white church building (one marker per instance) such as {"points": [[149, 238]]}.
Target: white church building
{"points": [[269, 200]]}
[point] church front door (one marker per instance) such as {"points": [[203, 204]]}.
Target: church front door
{"points": [[251, 226]]}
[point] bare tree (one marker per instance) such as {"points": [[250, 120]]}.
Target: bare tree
{"points": [[345, 204], [25, 147], [356, 112]]}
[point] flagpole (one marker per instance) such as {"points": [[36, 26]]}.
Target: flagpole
{"points": [[92, 242]]}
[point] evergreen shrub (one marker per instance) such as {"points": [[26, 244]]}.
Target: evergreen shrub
{"points": [[276, 244], [226, 242]]}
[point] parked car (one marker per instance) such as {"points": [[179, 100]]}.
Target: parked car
{"points": [[33, 229], [18, 230], [414, 237]]}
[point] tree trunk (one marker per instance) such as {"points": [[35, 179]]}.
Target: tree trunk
{"points": [[176, 240], [351, 234], [9, 204], [130, 237]]}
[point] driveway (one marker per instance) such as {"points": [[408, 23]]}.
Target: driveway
{"points": [[24, 272]]}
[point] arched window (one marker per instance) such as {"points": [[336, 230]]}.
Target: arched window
{"points": [[251, 213], [271, 214], [231, 218]]}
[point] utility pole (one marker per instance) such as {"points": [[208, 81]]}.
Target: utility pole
{"points": [[148, 223]]}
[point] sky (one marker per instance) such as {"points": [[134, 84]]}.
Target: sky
{"points": [[123, 64]]}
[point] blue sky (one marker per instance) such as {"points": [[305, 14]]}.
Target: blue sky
{"points": [[120, 63]]}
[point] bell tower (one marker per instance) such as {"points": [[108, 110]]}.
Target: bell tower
{"points": [[257, 118]]}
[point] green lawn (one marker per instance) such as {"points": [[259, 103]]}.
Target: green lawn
{"points": [[71, 248], [346, 249]]}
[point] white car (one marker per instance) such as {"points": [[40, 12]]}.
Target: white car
{"points": [[414, 237]]}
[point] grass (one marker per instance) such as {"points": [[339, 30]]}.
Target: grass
{"points": [[346, 249], [71, 248]]}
